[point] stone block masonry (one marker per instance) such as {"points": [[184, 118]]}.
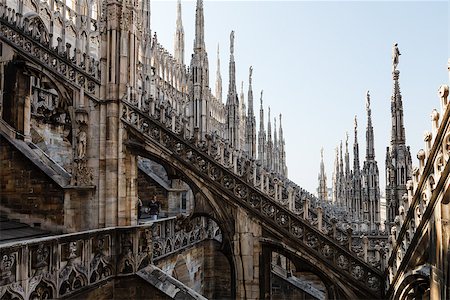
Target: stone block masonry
{"points": [[27, 191]]}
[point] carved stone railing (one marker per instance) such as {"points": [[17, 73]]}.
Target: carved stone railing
{"points": [[239, 179], [171, 236], [60, 266], [79, 70], [429, 182]]}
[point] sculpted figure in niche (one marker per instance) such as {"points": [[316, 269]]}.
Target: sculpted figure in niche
{"points": [[81, 146]]}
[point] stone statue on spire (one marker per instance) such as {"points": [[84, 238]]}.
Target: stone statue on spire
{"points": [[356, 123], [395, 56], [261, 96], [232, 42], [367, 100], [321, 152], [250, 71]]}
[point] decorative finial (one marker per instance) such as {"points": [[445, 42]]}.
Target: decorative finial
{"points": [[232, 42], [346, 138], [261, 96], [395, 55], [250, 71], [356, 123], [367, 100], [321, 152]]}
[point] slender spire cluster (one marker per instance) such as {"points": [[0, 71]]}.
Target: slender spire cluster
{"points": [[398, 156], [205, 114], [355, 189]]}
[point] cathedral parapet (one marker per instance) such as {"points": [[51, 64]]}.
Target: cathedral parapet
{"points": [[65, 265], [428, 190]]}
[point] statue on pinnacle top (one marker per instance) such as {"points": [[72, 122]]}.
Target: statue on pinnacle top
{"points": [[395, 56], [232, 42], [250, 74], [367, 100]]}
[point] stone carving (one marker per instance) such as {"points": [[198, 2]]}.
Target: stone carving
{"points": [[395, 56], [232, 42], [40, 259], [7, 269], [144, 249], [342, 262], [100, 265], [81, 143], [373, 283], [327, 250], [12, 291], [126, 262], [74, 275], [83, 175], [43, 290], [357, 272], [443, 91]]}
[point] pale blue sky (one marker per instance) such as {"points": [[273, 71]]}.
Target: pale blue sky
{"points": [[315, 61]]}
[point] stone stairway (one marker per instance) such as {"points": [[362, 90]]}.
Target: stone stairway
{"points": [[12, 231], [304, 282], [263, 195]]}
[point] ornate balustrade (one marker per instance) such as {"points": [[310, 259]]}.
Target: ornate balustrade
{"points": [[172, 235], [59, 266], [80, 70], [262, 193], [424, 190]]}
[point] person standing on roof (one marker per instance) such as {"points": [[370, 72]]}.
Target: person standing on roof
{"points": [[153, 208]]}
